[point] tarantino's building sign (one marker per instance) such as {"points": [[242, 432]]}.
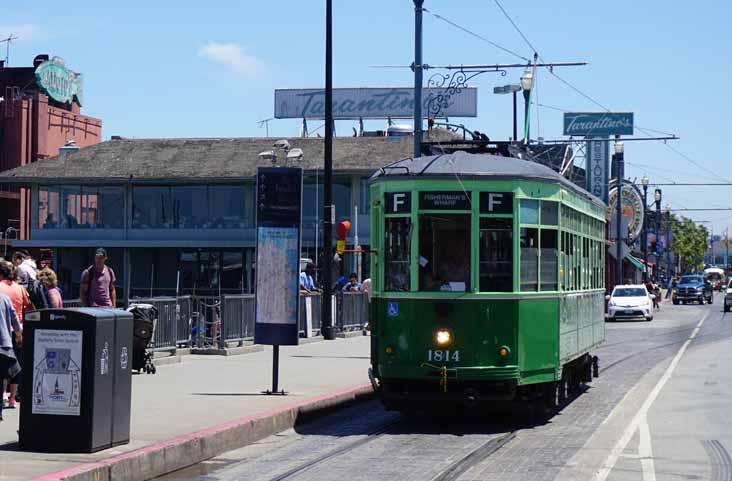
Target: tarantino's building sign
{"points": [[58, 82], [371, 103], [598, 123]]}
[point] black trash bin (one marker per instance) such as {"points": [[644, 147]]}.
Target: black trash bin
{"points": [[77, 382]]}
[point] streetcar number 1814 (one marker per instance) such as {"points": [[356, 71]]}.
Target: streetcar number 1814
{"points": [[443, 355]]}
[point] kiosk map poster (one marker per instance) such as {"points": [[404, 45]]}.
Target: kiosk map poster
{"points": [[57, 372], [278, 262], [279, 201]]}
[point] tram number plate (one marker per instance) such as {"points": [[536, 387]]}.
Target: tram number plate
{"points": [[443, 355]]}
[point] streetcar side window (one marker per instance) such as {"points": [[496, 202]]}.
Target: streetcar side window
{"points": [[529, 259], [444, 252], [397, 237], [496, 255], [549, 260]]}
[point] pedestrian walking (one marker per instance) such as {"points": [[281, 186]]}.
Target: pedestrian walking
{"points": [[21, 302], [50, 283], [97, 283], [11, 333], [26, 268]]}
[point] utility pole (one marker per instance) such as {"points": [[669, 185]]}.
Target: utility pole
{"points": [[418, 69], [668, 241], [658, 196], [644, 234], [326, 326], [619, 168]]}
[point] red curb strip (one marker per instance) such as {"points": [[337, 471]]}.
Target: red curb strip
{"points": [[177, 453]]}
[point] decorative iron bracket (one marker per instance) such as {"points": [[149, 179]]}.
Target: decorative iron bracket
{"points": [[453, 83]]}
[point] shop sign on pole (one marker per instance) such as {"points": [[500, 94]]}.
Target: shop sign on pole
{"points": [[598, 166]]}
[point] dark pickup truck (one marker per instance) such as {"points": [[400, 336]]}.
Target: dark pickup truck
{"points": [[692, 288]]}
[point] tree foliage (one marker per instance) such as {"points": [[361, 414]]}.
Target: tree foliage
{"points": [[689, 242]]}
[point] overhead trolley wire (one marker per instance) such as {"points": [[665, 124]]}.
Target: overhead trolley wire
{"points": [[515, 26], [480, 37]]}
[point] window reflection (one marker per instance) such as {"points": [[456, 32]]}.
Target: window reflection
{"points": [[496, 255], [193, 207], [396, 256], [75, 206]]}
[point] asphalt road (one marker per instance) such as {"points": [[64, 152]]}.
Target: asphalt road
{"points": [[365, 442]]}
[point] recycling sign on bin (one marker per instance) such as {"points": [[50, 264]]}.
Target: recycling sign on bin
{"points": [[57, 372]]}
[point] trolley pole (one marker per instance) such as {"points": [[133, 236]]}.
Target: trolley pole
{"points": [[417, 67], [328, 210], [619, 173]]}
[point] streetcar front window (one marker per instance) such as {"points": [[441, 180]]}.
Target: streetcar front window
{"points": [[496, 255], [396, 254], [444, 252]]}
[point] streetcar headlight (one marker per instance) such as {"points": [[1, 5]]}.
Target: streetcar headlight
{"points": [[389, 350], [443, 337], [504, 351]]}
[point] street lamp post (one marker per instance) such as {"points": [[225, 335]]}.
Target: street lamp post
{"points": [[668, 242], [644, 240], [619, 168], [657, 196], [512, 89], [418, 70], [328, 210], [527, 83]]}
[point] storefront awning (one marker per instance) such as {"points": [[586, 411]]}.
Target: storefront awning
{"points": [[636, 262]]}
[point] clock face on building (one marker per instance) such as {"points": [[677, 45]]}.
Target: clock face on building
{"points": [[632, 208]]}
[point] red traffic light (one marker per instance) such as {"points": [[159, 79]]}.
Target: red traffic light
{"points": [[342, 230]]}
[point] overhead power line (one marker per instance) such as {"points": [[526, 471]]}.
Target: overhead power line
{"points": [[480, 37], [515, 26]]}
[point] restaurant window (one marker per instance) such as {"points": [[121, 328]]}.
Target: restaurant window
{"points": [[48, 207], [397, 239], [549, 261], [152, 207], [529, 259], [496, 255], [189, 208], [444, 252], [231, 206]]}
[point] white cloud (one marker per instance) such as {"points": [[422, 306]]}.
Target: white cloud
{"points": [[24, 31], [233, 57]]}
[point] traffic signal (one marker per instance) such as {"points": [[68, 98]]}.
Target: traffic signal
{"points": [[654, 248], [341, 232]]}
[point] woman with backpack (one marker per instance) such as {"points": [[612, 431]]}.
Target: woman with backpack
{"points": [[50, 281], [21, 302]]}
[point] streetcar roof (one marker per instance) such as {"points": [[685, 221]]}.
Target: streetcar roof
{"points": [[472, 166]]}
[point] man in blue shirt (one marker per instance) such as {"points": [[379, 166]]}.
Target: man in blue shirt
{"points": [[307, 286], [353, 284]]}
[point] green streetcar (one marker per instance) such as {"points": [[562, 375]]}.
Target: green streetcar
{"points": [[488, 281]]}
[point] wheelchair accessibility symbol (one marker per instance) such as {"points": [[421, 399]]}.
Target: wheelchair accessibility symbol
{"points": [[392, 309]]}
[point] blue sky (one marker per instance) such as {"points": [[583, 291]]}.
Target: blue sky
{"points": [[192, 69]]}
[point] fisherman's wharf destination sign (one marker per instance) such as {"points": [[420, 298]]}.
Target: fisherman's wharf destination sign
{"points": [[598, 123], [372, 103], [59, 82]]}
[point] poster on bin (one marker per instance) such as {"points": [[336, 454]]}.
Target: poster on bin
{"points": [[57, 372], [279, 201]]}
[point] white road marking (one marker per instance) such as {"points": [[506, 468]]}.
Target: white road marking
{"points": [[645, 451], [612, 458]]}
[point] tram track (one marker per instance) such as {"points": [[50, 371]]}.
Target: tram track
{"points": [[450, 473]]}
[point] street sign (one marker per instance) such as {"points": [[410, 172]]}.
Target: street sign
{"points": [[598, 123], [373, 103], [279, 201]]}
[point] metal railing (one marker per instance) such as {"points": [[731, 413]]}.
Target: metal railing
{"points": [[214, 322], [352, 311]]}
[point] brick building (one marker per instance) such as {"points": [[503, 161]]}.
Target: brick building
{"points": [[40, 112]]}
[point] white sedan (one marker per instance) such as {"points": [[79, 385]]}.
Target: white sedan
{"points": [[630, 302]]}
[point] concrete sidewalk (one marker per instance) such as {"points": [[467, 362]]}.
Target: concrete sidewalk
{"points": [[201, 407]]}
